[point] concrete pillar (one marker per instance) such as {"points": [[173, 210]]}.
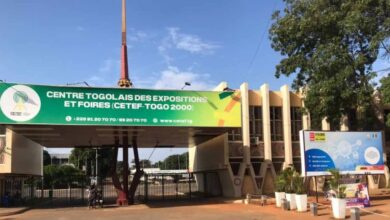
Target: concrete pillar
{"points": [[288, 157], [264, 89], [344, 123], [221, 86], [325, 125], [192, 162], [306, 124], [245, 122]]}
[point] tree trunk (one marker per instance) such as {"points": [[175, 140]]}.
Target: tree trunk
{"points": [[138, 172], [122, 197]]}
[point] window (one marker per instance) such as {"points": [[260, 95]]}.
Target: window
{"points": [[296, 122], [276, 123], [255, 123], [235, 134]]}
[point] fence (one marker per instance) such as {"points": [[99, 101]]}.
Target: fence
{"points": [[72, 190]]}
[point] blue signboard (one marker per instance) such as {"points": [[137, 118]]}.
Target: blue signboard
{"points": [[350, 152]]}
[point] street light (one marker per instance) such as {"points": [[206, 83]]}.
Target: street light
{"points": [[96, 166], [178, 160], [186, 84], [78, 83]]}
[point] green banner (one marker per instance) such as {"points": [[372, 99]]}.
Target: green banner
{"points": [[54, 105]]}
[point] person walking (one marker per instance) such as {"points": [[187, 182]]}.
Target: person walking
{"points": [[91, 196]]}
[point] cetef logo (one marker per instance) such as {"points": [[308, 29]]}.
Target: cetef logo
{"points": [[20, 103]]}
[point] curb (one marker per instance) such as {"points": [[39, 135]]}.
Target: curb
{"points": [[20, 211]]}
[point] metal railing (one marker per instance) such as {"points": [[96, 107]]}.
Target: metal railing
{"points": [[72, 190]]}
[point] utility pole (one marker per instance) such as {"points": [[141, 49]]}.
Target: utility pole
{"points": [[127, 196], [178, 160], [96, 165]]}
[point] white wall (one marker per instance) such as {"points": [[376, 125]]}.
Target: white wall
{"points": [[208, 155], [26, 156]]}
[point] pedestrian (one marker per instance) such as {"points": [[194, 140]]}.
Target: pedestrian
{"points": [[91, 196]]}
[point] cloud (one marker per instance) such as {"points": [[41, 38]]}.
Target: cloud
{"points": [[163, 49], [186, 42], [190, 43], [170, 78], [137, 36], [107, 74], [109, 65], [174, 78]]}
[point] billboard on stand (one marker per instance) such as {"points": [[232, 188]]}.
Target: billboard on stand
{"points": [[349, 152]]}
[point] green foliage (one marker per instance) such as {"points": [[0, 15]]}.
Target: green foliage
{"points": [[280, 183], [330, 46], [174, 162], [335, 183], [288, 174], [46, 158], [60, 176], [299, 185], [290, 181], [87, 157], [385, 92], [143, 163]]}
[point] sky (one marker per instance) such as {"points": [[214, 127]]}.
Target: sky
{"points": [[59, 42]]}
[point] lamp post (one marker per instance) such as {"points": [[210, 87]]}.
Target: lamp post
{"points": [[96, 165], [78, 83], [186, 84], [178, 160]]}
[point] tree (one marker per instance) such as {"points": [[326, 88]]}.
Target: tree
{"points": [[83, 157], [59, 175], [175, 162], [46, 158], [385, 92], [330, 47], [87, 157], [144, 164]]}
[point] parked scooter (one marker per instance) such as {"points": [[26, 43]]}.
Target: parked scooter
{"points": [[99, 198], [95, 197]]}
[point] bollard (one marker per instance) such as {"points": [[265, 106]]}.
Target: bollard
{"points": [[263, 200], [248, 199], [355, 213], [313, 209], [288, 205], [284, 204]]}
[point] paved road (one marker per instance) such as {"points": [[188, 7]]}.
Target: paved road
{"points": [[190, 210], [187, 211]]}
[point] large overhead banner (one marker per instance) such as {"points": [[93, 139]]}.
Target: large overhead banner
{"points": [[350, 152], [52, 105]]}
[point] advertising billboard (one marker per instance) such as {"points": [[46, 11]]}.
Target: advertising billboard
{"points": [[350, 152], [55, 105]]}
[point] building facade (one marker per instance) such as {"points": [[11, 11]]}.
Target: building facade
{"points": [[247, 159]]}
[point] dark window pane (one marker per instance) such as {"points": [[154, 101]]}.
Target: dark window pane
{"points": [[276, 123], [255, 123], [296, 122]]}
